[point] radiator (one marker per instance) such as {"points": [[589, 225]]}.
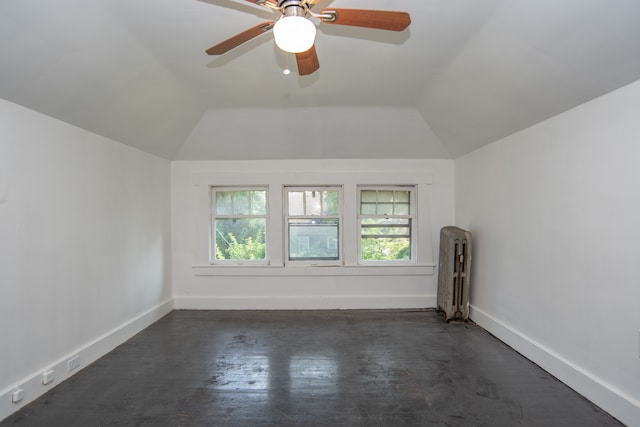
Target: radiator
{"points": [[454, 273]]}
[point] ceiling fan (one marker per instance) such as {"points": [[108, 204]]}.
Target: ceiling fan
{"points": [[295, 33]]}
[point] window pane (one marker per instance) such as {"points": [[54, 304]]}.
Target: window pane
{"points": [[402, 196], [386, 239], [240, 238], [385, 196], [223, 203], [313, 200], [386, 221], [331, 202], [369, 231], [313, 239], [241, 203], [368, 196], [258, 203], [386, 249], [384, 202], [381, 227], [368, 209], [296, 203], [385, 209], [401, 209]]}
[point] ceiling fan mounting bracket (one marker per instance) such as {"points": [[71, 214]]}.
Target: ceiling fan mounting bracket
{"points": [[286, 3], [326, 15], [266, 26]]}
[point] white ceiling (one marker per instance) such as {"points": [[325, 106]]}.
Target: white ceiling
{"points": [[464, 74]]}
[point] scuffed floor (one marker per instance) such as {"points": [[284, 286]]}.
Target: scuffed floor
{"points": [[311, 368]]}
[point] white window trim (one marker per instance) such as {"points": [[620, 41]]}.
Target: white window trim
{"points": [[413, 212], [286, 217]]}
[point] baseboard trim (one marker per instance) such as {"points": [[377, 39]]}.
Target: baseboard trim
{"points": [[620, 405], [320, 302], [32, 385]]}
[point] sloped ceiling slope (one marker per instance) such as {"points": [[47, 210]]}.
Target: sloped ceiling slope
{"points": [[464, 74]]}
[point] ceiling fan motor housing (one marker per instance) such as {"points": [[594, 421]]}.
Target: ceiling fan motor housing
{"points": [[292, 7]]}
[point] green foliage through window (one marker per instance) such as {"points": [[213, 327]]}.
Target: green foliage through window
{"points": [[385, 225], [386, 249], [240, 239], [239, 224]]}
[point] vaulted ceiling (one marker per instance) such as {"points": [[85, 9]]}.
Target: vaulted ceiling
{"points": [[465, 73]]}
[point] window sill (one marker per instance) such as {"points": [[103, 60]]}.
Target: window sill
{"points": [[275, 270]]}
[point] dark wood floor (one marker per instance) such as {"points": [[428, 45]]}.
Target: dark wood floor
{"points": [[311, 368]]}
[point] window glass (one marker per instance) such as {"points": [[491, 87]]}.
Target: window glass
{"points": [[238, 239], [313, 224], [239, 224], [223, 203], [385, 196], [258, 203], [331, 202], [385, 225], [313, 239], [241, 203], [313, 202]]}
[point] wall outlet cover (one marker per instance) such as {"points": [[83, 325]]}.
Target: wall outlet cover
{"points": [[17, 395], [73, 363], [47, 376]]}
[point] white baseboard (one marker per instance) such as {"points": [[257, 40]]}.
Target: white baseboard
{"points": [[347, 302], [32, 385], [621, 406]]}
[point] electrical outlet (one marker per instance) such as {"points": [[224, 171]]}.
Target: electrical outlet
{"points": [[73, 363], [17, 395], [47, 376]]}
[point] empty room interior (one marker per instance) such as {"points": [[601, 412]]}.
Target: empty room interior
{"points": [[169, 172]]}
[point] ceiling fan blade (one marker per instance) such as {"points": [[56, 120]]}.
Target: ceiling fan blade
{"points": [[238, 39], [273, 2], [307, 61], [380, 19]]}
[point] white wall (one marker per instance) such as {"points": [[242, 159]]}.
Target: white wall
{"points": [[555, 214], [84, 247], [198, 285], [347, 132]]}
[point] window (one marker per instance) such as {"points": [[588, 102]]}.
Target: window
{"points": [[365, 226], [313, 223], [238, 224], [386, 224]]}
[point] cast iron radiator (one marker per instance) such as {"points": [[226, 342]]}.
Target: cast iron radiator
{"points": [[454, 273]]}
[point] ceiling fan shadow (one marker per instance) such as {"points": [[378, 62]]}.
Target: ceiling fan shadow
{"points": [[246, 7], [362, 33]]}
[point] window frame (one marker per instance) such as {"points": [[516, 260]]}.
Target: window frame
{"points": [[286, 217], [412, 217], [213, 216]]}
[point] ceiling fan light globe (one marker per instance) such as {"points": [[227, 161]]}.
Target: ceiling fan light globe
{"points": [[294, 34]]}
